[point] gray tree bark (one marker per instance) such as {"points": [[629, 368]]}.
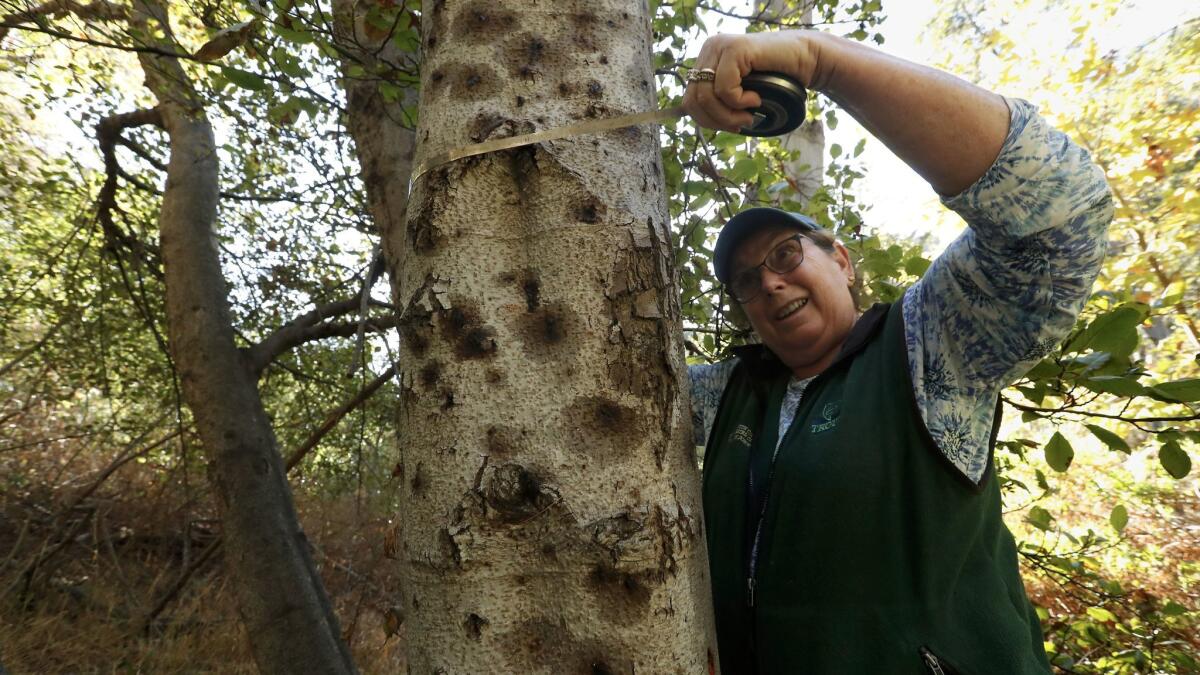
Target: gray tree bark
{"points": [[280, 596], [382, 139], [551, 513]]}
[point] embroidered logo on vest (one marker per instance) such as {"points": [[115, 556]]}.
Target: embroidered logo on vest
{"points": [[830, 412], [743, 435]]}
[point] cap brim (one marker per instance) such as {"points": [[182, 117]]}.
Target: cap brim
{"points": [[745, 223]]}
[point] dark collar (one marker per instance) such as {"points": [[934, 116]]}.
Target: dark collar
{"points": [[762, 362]]}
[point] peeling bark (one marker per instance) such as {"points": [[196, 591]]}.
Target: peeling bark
{"points": [[551, 505]]}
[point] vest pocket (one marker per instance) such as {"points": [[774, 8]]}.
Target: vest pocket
{"points": [[937, 665]]}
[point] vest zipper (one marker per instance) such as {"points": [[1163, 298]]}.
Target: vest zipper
{"points": [[752, 572], [932, 662]]}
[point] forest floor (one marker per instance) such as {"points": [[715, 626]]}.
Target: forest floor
{"points": [[78, 584], [82, 570]]}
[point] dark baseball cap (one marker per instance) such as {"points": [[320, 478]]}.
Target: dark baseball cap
{"points": [[745, 223]]}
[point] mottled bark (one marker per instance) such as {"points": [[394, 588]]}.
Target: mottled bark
{"points": [[551, 508], [291, 625]]}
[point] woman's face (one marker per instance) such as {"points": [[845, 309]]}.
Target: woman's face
{"points": [[804, 315]]}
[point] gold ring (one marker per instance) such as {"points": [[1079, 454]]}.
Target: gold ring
{"points": [[701, 75]]}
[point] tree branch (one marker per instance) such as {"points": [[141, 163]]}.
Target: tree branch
{"points": [[32, 349], [309, 327], [108, 134], [336, 416], [100, 10], [331, 421], [1088, 413]]}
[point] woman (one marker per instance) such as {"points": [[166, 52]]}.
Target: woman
{"points": [[853, 522]]}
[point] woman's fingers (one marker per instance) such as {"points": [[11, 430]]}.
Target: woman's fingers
{"points": [[707, 110], [722, 102]]}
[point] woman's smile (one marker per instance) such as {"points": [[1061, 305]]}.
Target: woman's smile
{"points": [[791, 308]]}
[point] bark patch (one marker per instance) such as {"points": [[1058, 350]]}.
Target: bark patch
{"points": [[474, 625], [604, 428], [543, 329], [610, 532], [505, 441], [530, 282], [526, 53], [451, 553], [420, 480], [590, 210], [621, 594], [515, 495], [464, 81], [590, 33], [430, 373], [415, 336], [483, 22], [462, 326], [484, 124], [542, 645]]}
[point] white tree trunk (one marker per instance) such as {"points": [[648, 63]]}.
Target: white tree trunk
{"points": [[807, 170], [551, 507]]}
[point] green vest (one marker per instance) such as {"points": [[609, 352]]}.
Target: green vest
{"points": [[875, 552]]}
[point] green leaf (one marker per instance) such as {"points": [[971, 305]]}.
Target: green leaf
{"points": [[300, 37], [1114, 332], [1126, 385], [1180, 390], [244, 79], [1113, 441], [1173, 608], [916, 265], [1174, 459], [1059, 452], [1101, 614], [1039, 518], [390, 92], [742, 170], [1119, 517]]}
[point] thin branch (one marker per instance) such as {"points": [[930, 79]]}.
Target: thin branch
{"points": [[336, 416], [378, 265], [1087, 413], [108, 132], [141, 152], [181, 581], [32, 349], [294, 458], [309, 327], [139, 49], [97, 11]]}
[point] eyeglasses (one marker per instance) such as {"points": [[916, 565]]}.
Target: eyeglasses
{"points": [[781, 259]]}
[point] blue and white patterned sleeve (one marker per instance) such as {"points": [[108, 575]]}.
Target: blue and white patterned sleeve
{"points": [[1008, 290], [707, 384]]}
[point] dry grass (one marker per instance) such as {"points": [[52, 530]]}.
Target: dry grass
{"points": [[84, 612]]}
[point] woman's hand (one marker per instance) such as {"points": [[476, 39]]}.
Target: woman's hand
{"points": [[722, 103], [947, 130]]}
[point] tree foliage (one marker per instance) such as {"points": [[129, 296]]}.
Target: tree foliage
{"points": [[82, 347]]}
